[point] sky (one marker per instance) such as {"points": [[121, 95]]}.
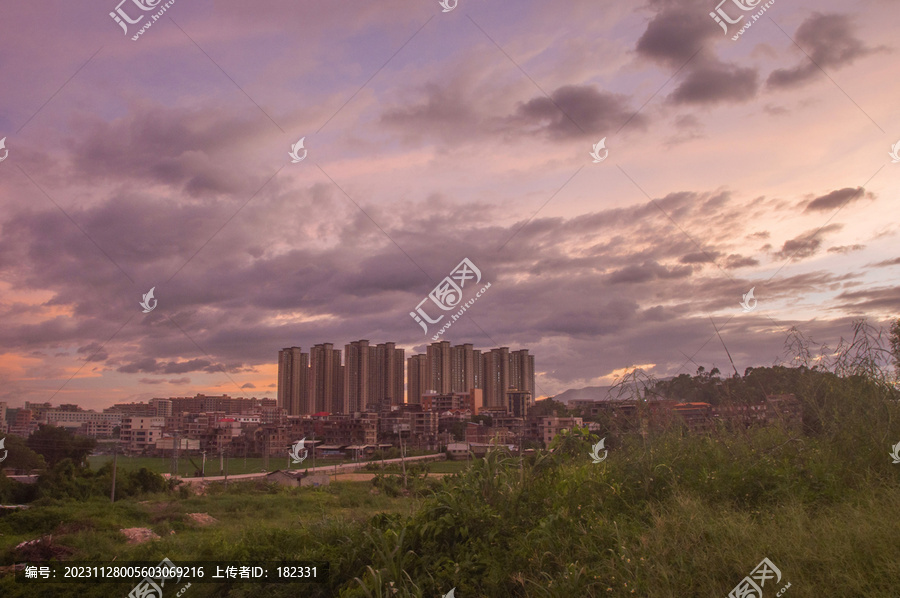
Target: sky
{"points": [[432, 134]]}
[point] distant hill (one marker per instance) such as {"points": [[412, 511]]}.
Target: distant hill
{"points": [[593, 393], [588, 393]]}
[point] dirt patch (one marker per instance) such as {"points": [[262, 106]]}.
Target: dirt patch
{"points": [[42, 549], [366, 477], [203, 518], [139, 535]]}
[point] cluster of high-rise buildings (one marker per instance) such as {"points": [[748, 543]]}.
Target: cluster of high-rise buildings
{"points": [[318, 382], [372, 377]]}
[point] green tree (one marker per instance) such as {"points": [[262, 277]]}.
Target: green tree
{"points": [[459, 430], [19, 456], [56, 444], [546, 407], [486, 420]]}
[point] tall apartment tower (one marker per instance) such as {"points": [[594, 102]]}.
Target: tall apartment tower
{"points": [[462, 368], [337, 397], [496, 377], [386, 375], [357, 376], [438, 359], [417, 377], [293, 381], [521, 371], [326, 379], [477, 369]]}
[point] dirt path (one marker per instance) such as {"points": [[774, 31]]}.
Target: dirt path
{"points": [[366, 477]]}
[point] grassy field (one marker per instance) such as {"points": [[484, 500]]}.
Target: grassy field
{"points": [[432, 466], [568, 529], [272, 520]]}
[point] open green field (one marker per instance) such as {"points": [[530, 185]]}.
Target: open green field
{"points": [[254, 522]]}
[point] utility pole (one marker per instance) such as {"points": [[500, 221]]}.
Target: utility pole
{"points": [[175, 455], [221, 460], [203, 465], [112, 494], [402, 456], [226, 470]]}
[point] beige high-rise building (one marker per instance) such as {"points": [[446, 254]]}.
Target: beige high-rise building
{"points": [[357, 376], [521, 371], [438, 359], [417, 376], [496, 377], [326, 379], [386, 375], [462, 368], [478, 369], [293, 381]]}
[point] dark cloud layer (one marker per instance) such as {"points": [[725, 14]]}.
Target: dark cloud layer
{"points": [[807, 244], [716, 82], [837, 199], [460, 115], [828, 41]]}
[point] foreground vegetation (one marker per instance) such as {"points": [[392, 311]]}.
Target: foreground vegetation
{"points": [[668, 514]]}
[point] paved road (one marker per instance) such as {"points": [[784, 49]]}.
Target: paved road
{"points": [[322, 469]]}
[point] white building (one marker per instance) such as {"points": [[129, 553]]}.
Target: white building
{"points": [[139, 432], [74, 419]]}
